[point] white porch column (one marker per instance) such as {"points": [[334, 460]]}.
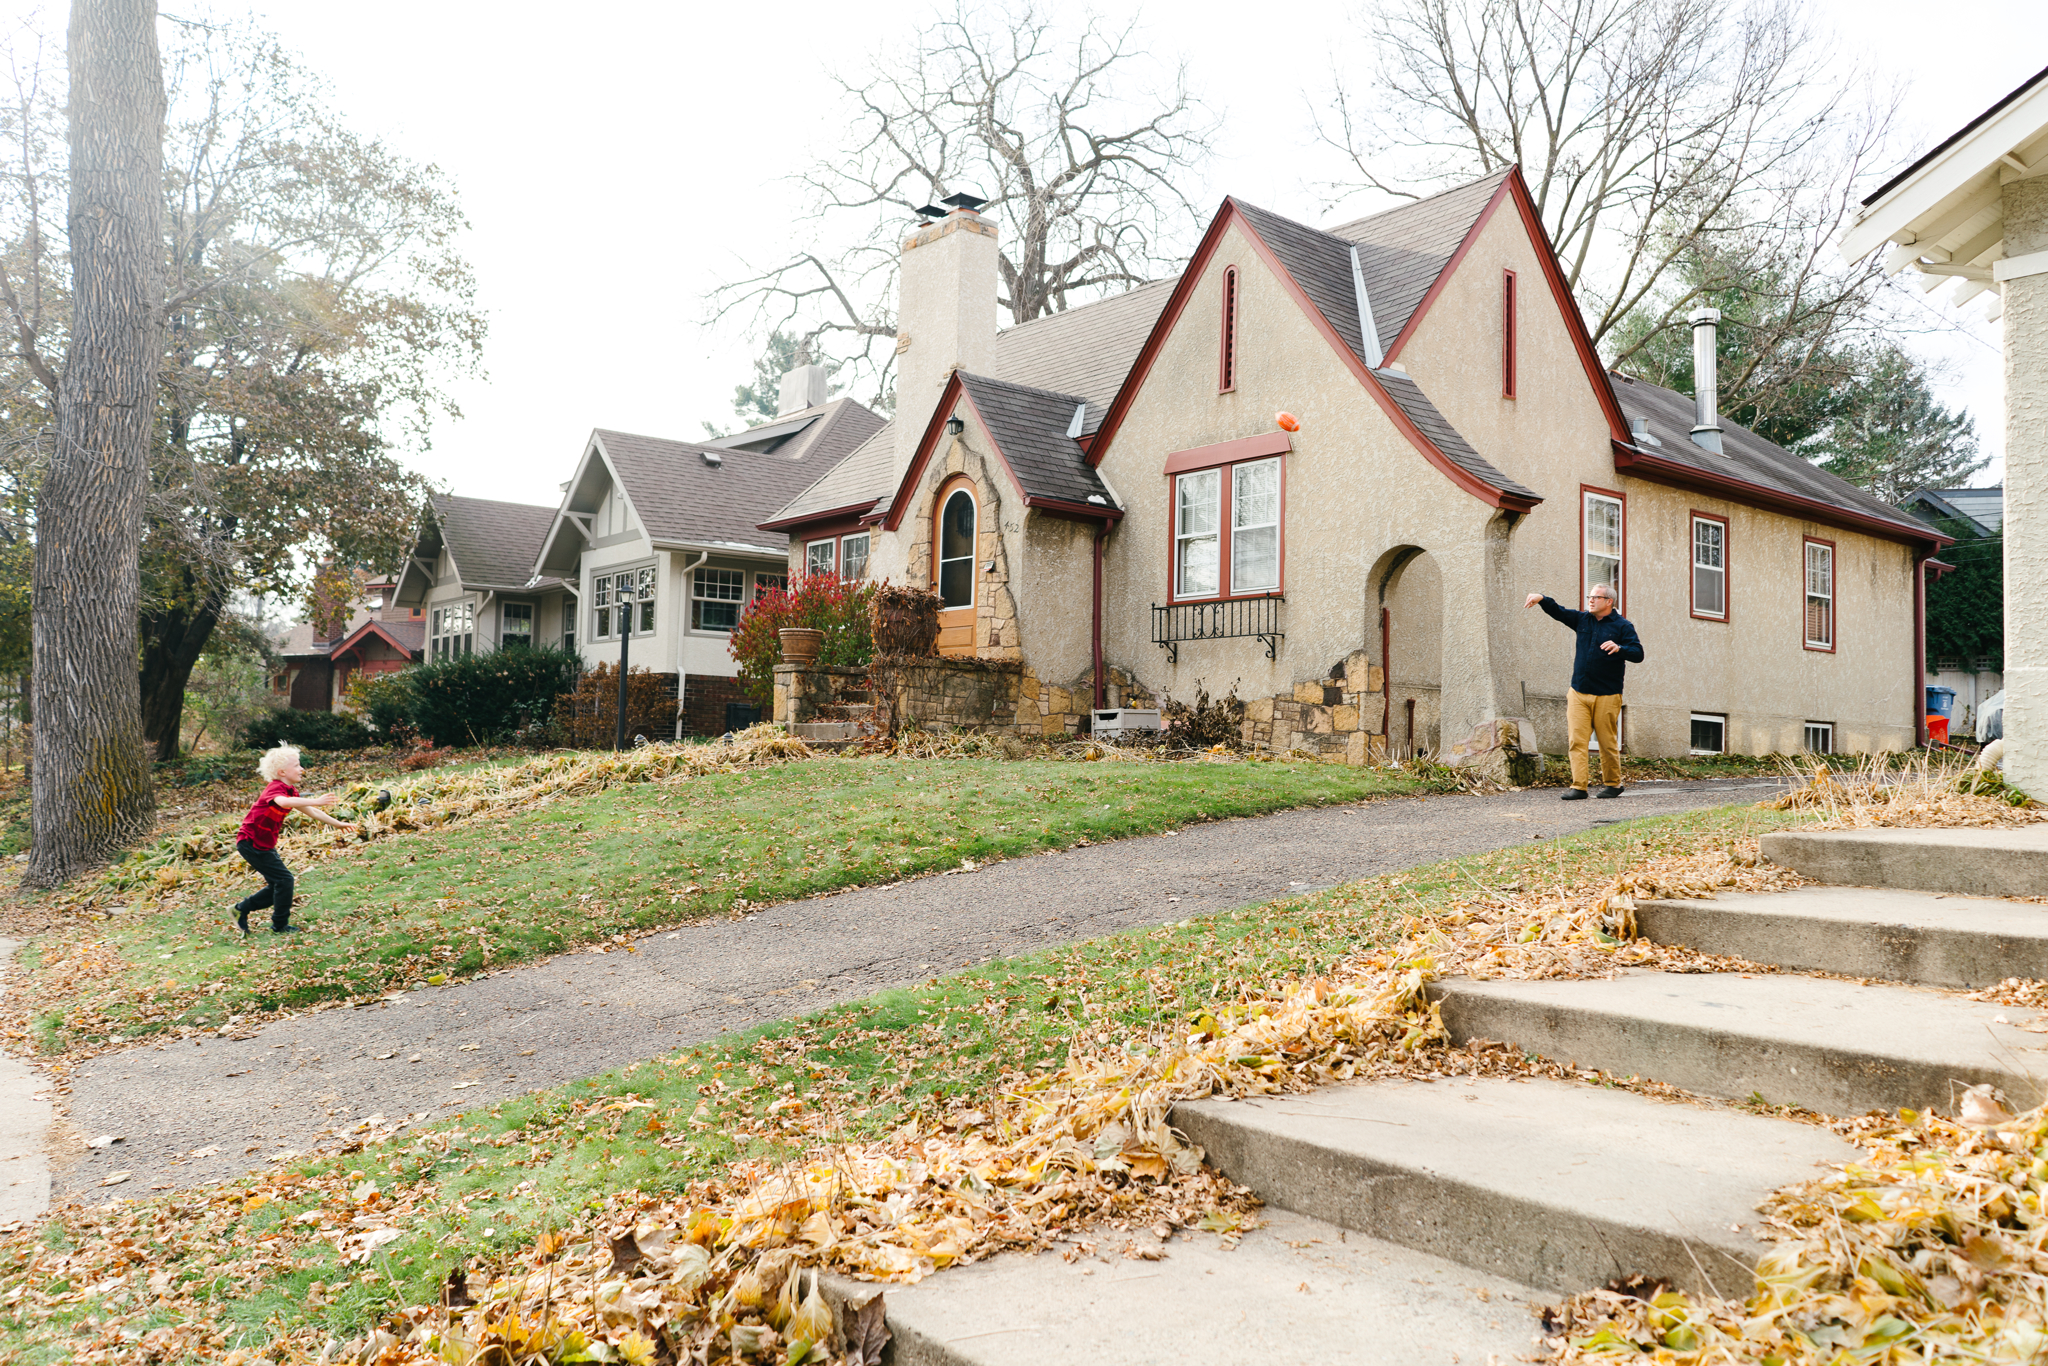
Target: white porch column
{"points": [[2026, 489]]}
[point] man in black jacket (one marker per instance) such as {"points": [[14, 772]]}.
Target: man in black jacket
{"points": [[1607, 645]]}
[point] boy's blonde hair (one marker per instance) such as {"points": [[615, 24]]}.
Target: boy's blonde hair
{"points": [[273, 761]]}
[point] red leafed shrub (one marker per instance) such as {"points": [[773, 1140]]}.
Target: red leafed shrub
{"points": [[822, 602]]}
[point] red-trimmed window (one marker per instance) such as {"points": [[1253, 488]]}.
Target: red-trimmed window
{"points": [[1603, 543], [1227, 530], [1507, 333], [1820, 594], [1226, 368], [1709, 567]]}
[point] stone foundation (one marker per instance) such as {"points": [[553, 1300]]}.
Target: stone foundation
{"points": [[1338, 718]]}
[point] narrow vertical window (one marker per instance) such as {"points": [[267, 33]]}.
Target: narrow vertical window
{"points": [[1255, 527], [601, 601], [1197, 540], [1226, 375], [956, 551], [1820, 596], [1710, 568], [1507, 333], [1603, 542]]}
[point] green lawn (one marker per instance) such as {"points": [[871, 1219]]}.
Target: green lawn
{"points": [[492, 890], [488, 1183]]}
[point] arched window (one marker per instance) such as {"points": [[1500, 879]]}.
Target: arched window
{"points": [[956, 550], [1226, 370]]}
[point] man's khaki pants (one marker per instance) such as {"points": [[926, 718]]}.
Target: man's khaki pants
{"points": [[1585, 715]]}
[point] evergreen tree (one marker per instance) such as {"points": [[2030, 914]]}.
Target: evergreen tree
{"points": [[1966, 606]]}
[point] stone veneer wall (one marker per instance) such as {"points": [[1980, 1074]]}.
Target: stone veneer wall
{"points": [[1338, 717]]}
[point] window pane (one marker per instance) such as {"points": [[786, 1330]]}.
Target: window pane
{"points": [[1255, 560], [1603, 569], [956, 583], [1255, 527], [1707, 735], [1198, 563], [1255, 494], [604, 622], [854, 557], [818, 557], [957, 528], [1706, 592], [1198, 500], [1706, 545], [1603, 527], [714, 616], [764, 582]]}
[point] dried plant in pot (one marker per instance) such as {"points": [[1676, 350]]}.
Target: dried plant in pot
{"points": [[906, 621], [801, 645]]}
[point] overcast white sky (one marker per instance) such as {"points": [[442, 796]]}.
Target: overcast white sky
{"points": [[620, 158]]}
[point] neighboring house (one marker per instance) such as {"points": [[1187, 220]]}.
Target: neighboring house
{"points": [[318, 660], [1107, 501], [470, 579], [660, 538], [1982, 510]]}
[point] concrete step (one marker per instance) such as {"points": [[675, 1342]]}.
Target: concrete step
{"points": [[1295, 1290], [1971, 862], [1838, 1047], [1553, 1184], [828, 730], [1930, 938]]}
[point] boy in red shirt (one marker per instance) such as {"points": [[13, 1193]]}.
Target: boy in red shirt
{"points": [[256, 841]]}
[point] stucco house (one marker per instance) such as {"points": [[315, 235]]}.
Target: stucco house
{"points": [[1325, 467], [471, 579]]}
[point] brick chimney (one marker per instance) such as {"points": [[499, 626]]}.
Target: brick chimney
{"points": [[945, 313]]}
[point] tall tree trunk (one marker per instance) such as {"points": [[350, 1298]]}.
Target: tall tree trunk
{"points": [[91, 788], [172, 638]]}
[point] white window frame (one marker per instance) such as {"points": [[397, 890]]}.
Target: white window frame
{"points": [[941, 559], [571, 605], [822, 557], [699, 579], [608, 591], [505, 618], [1719, 570], [846, 544], [452, 629], [1712, 718], [1183, 539], [1819, 589], [1588, 498], [1825, 731], [1237, 473]]}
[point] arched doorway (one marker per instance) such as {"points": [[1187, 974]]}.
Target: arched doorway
{"points": [[1410, 593], [955, 546]]}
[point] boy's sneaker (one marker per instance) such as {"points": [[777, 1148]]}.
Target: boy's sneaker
{"points": [[242, 920], [1608, 792], [287, 929], [1573, 794]]}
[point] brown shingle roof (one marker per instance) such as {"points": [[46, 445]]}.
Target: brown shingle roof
{"points": [[494, 544], [1434, 425], [1030, 429], [1403, 250], [1747, 456], [683, 500]]}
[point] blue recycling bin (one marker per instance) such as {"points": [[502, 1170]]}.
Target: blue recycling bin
{"points": [[1941, 701]]}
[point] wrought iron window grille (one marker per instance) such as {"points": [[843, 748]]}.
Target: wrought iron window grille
{"points": [[1225, 619]]}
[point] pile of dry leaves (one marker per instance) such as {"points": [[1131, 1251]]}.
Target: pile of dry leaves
{"points": [[1930, 792]]}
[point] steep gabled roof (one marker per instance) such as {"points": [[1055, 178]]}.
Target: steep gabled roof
{"points": [[828, 432], [493, 544], [1983, 508], [683, 499], [407, 637], [1316, 267], [1750, 469], [1405, 250]]}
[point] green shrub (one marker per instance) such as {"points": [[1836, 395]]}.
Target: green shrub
{"points": [[477, 699], [384, 701], [307, 730], [823, 602]]}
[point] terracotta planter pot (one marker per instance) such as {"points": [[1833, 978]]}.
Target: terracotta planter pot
{"points": [[801, 645]]}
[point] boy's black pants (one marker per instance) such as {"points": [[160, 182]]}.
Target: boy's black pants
{"points": [[277, 890]]}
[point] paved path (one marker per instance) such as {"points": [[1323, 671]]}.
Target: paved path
{"points": [[300, 1079]]}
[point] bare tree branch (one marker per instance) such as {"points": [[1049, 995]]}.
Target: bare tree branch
{"points": [[1079, 157]]}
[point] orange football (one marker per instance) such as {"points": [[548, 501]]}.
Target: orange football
{"points": [[1288, 422]]}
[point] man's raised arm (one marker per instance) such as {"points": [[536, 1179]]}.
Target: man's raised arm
{"points": [[1551, 609]]}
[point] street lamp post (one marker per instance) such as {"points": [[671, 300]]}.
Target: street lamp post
{"points": [[629, 607]]}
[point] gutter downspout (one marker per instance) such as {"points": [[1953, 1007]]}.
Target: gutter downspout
{"points": [[683, 633], [1918, 697], [1101, 535]]}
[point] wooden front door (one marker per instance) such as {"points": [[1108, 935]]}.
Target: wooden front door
{"points": [[954, 569]]}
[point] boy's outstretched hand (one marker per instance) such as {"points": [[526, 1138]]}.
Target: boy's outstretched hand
{"points": [[1534, 598]]}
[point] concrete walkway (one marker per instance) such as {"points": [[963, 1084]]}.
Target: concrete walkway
{"points": [[436, 1051], [25, 1114]]}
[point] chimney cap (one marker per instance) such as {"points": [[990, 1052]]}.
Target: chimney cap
{"points": [[1703, 315], [963, 201], [932, 211]]}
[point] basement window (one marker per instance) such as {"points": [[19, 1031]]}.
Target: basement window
{"points": [[1820, 737], [1709, 733]]}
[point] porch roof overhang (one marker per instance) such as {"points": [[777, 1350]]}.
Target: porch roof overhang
{"points": [[1943, 216]]}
